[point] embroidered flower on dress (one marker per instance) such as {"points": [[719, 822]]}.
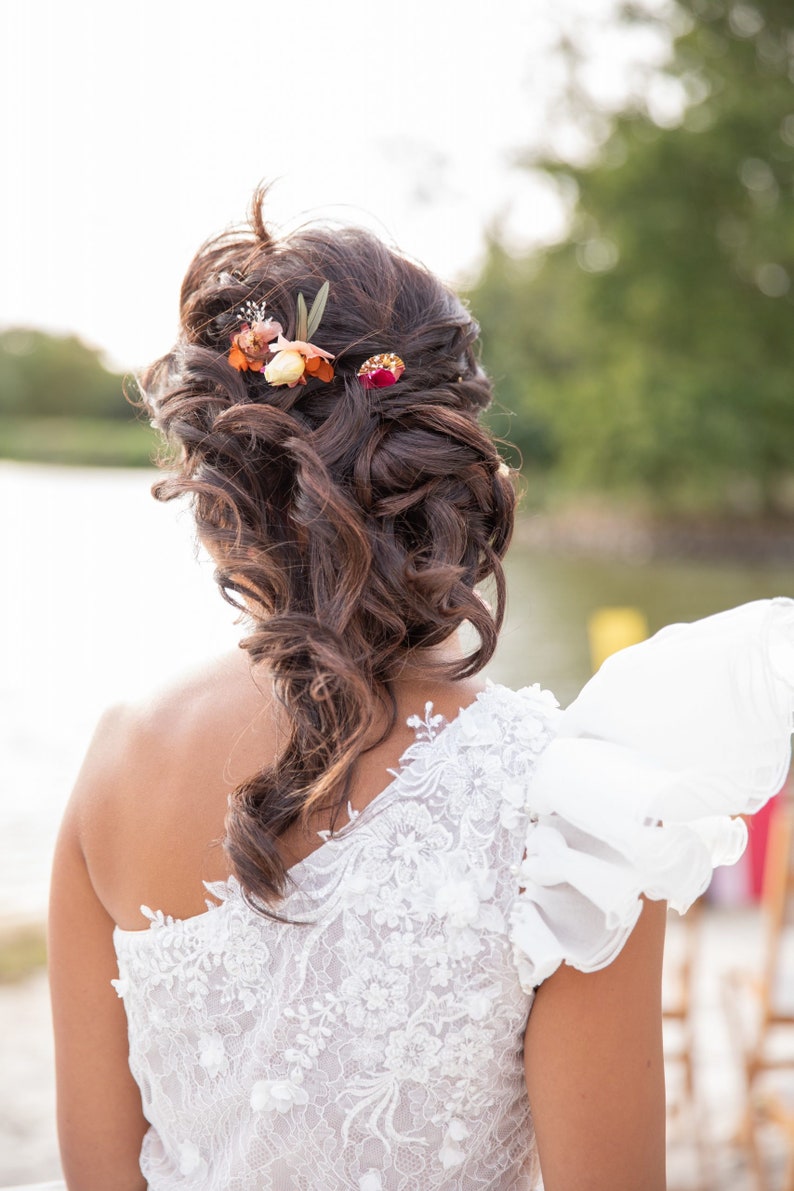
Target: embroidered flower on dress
{"points": [[211, 1056], [391, 907], [411, 1053], [366, 1051], [544, 699], [434, 950], [475, 786], [467, 1050], [479, 1005], [245, 956], [277, 1095], [458, 900], [370, 1181], [513, 805], [375, 997], [452, 1153], [398, 853], [190, 1160], [120, 986], [462, 898], [400, 949], [426, 728]]}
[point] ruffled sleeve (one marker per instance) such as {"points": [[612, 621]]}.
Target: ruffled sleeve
{"points": [[635, 793]]}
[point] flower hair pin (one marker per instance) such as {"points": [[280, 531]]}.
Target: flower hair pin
{"points": [[289, 359], [251, 344], [378, 372]]}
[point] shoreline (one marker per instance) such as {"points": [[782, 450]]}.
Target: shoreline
{"points": [[598, 532]]}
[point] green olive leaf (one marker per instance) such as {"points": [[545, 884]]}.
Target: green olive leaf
{"points": [[301, 320], [318, 310]]}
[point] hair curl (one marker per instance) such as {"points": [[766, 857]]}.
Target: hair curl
{"points": [[355, 523]]}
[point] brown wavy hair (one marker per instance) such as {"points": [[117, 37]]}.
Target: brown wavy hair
{"points": [[355, 524]]}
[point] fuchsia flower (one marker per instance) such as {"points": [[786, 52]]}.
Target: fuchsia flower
{"points": [[378, 372]]}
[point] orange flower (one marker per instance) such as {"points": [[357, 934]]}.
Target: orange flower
{"points": [[251, 345], [320, 368], [237, 359]]}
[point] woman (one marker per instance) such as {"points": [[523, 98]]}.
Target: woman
{"points": [[329, 877]]}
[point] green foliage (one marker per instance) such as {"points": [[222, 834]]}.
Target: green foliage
{"points": [[59, 404], [48, 375], [96, 442], [652, 351]]}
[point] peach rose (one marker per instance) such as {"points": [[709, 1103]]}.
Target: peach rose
{"points": [[288, 371], [251, 345]]}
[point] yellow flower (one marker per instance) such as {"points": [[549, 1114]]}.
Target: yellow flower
{"points": [[286, 368], [292, 358]]}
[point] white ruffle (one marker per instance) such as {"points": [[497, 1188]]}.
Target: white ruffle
{"points": [[635, 792]]}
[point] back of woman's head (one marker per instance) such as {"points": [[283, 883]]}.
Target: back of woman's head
{"points": [[355, 522]]}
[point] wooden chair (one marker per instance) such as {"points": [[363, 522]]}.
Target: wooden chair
{"points": [[761, 1009], [685, 1109]]}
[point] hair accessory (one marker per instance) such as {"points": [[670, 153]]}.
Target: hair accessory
{"points": [[293, 358], [250, 311], [251, 344], [288, 360], [378, 372]]}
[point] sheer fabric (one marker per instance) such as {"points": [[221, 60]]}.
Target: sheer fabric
{"points": [[375, 1042]]}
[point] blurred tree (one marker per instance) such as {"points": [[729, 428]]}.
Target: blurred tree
{"points": [[653, 349], [45, 375]]}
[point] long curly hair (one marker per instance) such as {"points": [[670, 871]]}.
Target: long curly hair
{"points": [[355, 524]]}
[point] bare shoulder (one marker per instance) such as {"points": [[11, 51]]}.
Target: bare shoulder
{"points": [[134, 742], [151, 796]]}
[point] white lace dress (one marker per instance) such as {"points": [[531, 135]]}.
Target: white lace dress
{"points": [[377, 1045]]}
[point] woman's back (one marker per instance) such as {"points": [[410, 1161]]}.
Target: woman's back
{"points": [[380, 1043], [174, 761]]}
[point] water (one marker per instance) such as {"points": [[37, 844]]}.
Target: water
{"points": [[551, 599], [104, 595]]}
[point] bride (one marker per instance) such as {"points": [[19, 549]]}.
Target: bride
{"points": [[334, 912]]}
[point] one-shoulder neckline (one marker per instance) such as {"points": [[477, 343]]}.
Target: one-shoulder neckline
{"points": [[415, 752]]}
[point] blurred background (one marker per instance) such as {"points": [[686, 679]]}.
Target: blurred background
{"points": [[611, 186]]}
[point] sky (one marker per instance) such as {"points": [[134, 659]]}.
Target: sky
{"points": [[130, 133]]}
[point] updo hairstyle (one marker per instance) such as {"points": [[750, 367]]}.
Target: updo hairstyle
{"points": [[355, 523]]}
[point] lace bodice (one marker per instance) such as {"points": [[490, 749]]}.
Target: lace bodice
{"points": [[375, 1041], [379, 1045]]}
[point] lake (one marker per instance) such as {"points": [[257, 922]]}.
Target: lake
{"points": [[104, 595]]}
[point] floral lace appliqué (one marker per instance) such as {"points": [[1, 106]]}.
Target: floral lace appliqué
{"points": [[377, 1045]]}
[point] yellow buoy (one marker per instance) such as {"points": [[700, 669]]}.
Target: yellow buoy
{"points": [[611, 629]]}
